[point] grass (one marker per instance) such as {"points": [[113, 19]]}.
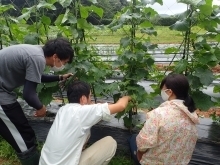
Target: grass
{"points": [[117, 160], [164, 35], [9, 157], [106, 36], [121, 160], [7, 154]]}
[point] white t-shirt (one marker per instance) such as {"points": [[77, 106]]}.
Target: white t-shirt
{"points": [[70, 131]]}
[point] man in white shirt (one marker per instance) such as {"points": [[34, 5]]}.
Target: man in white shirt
{"points": [[71, 130]]}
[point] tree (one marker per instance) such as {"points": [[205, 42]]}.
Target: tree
{"points": [[161, 20], [110, 7]]}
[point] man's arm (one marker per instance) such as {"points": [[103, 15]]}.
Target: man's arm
{"points": [[92, 114], [30, 96], [51, 78], [120, 105]]}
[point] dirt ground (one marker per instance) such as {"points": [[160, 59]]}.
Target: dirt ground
{"points": [[209, 112], [2, 161], [5, 161], [215, 69]]}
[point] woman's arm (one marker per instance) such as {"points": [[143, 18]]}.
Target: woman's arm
{"points": [[148, 136]]}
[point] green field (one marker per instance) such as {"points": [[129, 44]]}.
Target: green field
{"points": [[164, 35], [106, 36]]}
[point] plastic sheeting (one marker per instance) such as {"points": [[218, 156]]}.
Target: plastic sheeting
{"points": [[205, 153], [207, 150]]}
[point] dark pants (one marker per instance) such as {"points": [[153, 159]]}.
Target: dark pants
{"points": [[15, 129], [133, 148]]}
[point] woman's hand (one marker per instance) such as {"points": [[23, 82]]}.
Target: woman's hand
{"points": [[140, 154]]}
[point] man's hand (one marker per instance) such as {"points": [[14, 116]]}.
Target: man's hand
{"points": [[41, 112], [66, 76]]}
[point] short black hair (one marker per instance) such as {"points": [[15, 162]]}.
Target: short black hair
{"points": [[59, 46], [76, 90], [179, 84]]}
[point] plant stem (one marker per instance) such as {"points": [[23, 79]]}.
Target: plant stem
{"points": [[188, 37], [1, 45], [94, 94], [61, 94], [36, 22], [82, 39], [9, 29], [173, 57], [133, 26], [45, 27]]}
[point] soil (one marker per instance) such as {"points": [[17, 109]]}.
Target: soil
{"points": [[209, 112], [163, 67], [2, 161], [7, 161]]}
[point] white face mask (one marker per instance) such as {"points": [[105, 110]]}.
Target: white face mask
{"points": [[57, 69], [164, 95]]}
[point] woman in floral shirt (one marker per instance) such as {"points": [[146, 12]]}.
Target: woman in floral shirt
{"points": [[169, 135]]}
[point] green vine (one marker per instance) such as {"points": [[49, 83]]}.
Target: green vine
{"points": [[200, 52]]}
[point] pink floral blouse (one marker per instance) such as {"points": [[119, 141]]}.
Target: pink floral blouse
{"points": [[169, 135]]}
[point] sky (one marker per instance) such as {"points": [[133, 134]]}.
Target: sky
{"points": [[171, 7]]}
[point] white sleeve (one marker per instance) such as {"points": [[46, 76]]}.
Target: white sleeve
{"points": [[106, 113], [92, 114]]}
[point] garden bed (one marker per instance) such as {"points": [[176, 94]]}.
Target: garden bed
{"points": [[164, 66], [206, 151]]}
